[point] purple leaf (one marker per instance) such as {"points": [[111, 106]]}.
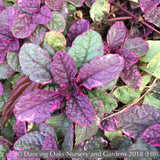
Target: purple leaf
{"points": [[129, 57], [20, 128], [35, 63], [131, 76], [116, 35], [148, 5], [137, 45], [1, 6], [152, 135], [12, 155], [63, 69], [77, 3], [100, 71], [42, 17], [49, 143], [37, 105], [1, 89], [80, 110], [153, 17], [23, 26], [54, 4], [14, 44], [135, 119], [77, 28], [37, 36], [30, 6]]}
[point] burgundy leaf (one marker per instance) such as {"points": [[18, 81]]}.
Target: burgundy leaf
{"points": [[20, 128], [49, 143], [152, 135], [135, 119], [80, 110], [77, 28], [131, 76], [129, 57], [63, 69], [100, 71], [116, 35], [148, 5], [23, 26], [36, 105], [30, 6], [137, 45], [54, 4], [42, 17], [1, 89]]}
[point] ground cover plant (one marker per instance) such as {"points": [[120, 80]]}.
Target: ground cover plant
{"points": [[79, 76]]}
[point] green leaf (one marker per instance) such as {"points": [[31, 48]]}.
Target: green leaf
{"points": [[107, 100], [111, 135], [85, 47], [48, 48], [60, 123], [13, 60], [98, 9], [85, 132], [14, 1], [154, 48], [7, 132], [35, 63], [126, 94], [145, 80], [55, 40], [3, 150], [57, 22]]}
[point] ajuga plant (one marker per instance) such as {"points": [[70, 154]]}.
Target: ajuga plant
{"points": [[65, 88]]}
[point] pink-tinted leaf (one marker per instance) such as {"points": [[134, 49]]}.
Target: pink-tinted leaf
{"points": [[63, 69], [1, 89], [131, 76], [1, 6], [12, 155], [153, 16], [148, 5], [30, 6], [135, 119], [42, 17], [89, 2], [137, 45], [13, 44], [100, 71], [23, 26], [64, 10], [77, 28], [116, 35], [54, 4], [80, 110], [36, 106], [129, 57], [77, 3], [49, 143], [20, 128], [3, 51], [152, 135]]}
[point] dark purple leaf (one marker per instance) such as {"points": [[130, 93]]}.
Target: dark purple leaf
{"points": [[31, 140], [54, 4], [148, 5], [13, 44], [129, 57], [153, 16], [30, 6], [116, 35], [49, 143], [20, 128], [1, 6], [135, 119], [152, 135], [12, 155], [131, 76], [37, 105], [80, 110], [137, 45], [100, 71], [77, 28], [23, 26], [63, 69], [42, 17], [1, 89], [77, 3], [68, 139]]}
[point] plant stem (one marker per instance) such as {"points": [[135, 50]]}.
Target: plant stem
{"points": [[119, 18], [135, 17]]}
